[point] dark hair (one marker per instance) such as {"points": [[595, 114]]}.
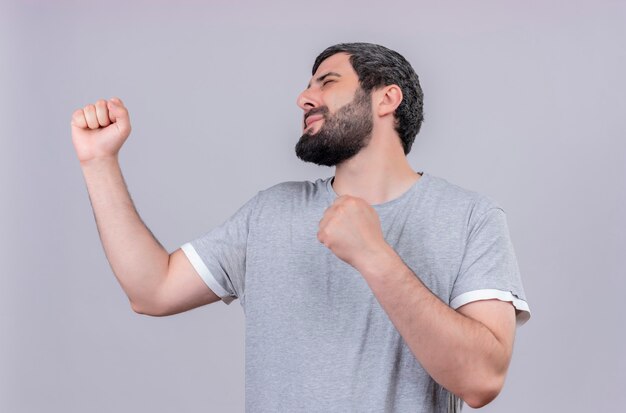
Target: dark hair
{"points": [[378, 66]]}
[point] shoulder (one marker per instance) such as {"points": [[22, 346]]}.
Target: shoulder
{"points": [[290, 190], [452, 197], [288, 186]]}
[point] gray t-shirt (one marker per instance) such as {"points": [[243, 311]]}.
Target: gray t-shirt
{"points": [[317, 340]]}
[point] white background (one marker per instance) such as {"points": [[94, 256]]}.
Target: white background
{"points": [[524, 102]]}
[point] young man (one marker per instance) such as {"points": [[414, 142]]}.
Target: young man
{"points": [[377, 289]]}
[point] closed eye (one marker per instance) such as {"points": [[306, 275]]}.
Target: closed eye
{"points": [[327, 82]]}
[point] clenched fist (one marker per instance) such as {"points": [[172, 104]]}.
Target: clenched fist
{"points": [[351, 229], [100, 130]]}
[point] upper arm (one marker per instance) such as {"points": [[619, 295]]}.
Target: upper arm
{"points": [[182, 289], [498, 316], [489, 268]]}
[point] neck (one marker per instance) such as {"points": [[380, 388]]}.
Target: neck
{"points": [[379, 173]]}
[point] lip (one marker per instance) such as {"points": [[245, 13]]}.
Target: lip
{"points": [[313, 118]]}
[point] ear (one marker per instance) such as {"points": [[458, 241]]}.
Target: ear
{"points": [[388, 99]]}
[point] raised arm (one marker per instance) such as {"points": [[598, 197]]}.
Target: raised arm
{"points": [[156, 282]]}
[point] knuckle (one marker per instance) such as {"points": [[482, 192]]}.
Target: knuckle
{"points": [[324, 233]]}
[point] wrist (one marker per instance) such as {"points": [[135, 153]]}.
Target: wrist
{"points": [[380, 263], [100, 162]]}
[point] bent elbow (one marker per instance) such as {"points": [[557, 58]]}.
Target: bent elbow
{"points": [[478, 401], [138, 308], [142, 309], [484, 395]]}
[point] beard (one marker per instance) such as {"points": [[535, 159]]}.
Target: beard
{"points": [[342, 135]]}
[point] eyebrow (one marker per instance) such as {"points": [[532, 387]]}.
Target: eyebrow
{"points": [[324, 76]]}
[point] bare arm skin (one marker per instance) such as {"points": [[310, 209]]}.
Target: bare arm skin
{"points": [[157, 283]]}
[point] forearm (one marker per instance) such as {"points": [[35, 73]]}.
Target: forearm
{"points": [[460, 353], [138, 260]]}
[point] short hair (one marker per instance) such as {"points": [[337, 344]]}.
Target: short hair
{"points": [[378, 66]]}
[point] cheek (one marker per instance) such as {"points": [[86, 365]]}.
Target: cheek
{"points": [[337, 101]]}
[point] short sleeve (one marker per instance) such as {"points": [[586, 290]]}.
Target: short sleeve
{"points": [[219, 256], [489, 268]]}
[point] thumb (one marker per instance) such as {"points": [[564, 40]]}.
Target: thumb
{"points": [[118, 114]]}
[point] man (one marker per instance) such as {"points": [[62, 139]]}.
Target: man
{"points": [[378, 289]]}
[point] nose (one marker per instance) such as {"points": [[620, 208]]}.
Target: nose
{"points": [[308, 100]]}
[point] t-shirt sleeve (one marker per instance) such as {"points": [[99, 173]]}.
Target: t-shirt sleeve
{"points": [[219, 256], [489, 268]]}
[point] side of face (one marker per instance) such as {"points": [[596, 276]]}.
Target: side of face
{"points": [[332, 86], [337, 119]]}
